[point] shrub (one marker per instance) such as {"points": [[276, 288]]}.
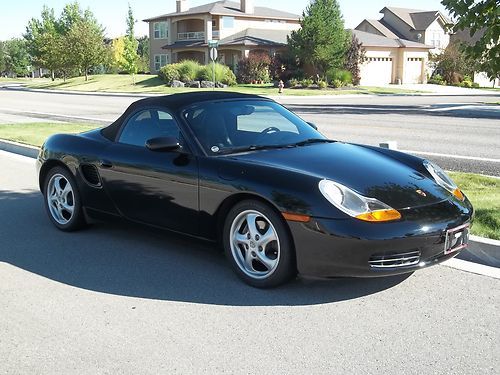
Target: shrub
{"points": [[344, 76], [475, 85], [337, 83], [169, 73], [437, 79], [254, 68], [322, 84], [188, 70], [294, 82], [222, 74], [306, 82]]}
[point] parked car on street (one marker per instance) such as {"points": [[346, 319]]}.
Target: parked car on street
{"points": [[244, 171]]}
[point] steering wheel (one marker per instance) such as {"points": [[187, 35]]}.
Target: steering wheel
{"points": [[271, 129]]}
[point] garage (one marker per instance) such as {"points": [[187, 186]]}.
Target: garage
{"points": [[413, 70], [376, 71]]}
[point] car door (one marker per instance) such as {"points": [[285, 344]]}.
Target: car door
{"points": [[153, 187]]}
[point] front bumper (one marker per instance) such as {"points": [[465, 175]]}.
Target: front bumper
{"points": [[347, 247]]}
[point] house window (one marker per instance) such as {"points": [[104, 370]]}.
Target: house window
{"points": [[436, 40], [160, 61], [160, 30], [214, 23], [228, 22]]}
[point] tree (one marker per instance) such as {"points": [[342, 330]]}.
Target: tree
{"points": [[322, 41], [16, 58], [143, 52], [354, 57], [86, 42], [130, 56], [42, 37], [2, 57], [453, 63], [479, 17]]}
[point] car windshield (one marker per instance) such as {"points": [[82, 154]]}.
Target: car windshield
{"points": [[226, 127]]}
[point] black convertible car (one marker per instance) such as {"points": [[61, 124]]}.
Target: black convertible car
{"points": [[245, 171]]}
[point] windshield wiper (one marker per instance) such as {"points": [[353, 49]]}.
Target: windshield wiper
{"points": [[234, 150], [312, 140]]}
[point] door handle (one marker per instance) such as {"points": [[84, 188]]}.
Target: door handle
{"points": [[105, 164]]}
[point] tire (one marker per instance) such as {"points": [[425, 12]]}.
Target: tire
{"points": [[62, 200], [258, 245]]}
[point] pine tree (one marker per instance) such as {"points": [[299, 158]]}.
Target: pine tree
{"points": [[322, 41]]}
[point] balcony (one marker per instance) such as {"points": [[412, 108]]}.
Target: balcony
{"points": [[215, 34], [195, 35]]}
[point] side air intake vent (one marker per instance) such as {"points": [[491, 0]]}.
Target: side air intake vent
{"points": [[90, 174], [395, 260]]}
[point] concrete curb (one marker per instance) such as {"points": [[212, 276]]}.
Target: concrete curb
{"points": [[19, 148], [483, 247]]}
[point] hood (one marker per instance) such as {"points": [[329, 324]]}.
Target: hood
{"points": [[362, 169]]}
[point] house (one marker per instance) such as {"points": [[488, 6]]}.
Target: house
{"points": [[421, 26], [392, 60], [397, 45], [240, 28]]}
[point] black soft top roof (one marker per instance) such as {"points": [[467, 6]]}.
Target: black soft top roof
{"points": [[172, 102]]}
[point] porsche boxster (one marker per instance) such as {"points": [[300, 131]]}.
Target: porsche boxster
{"points": [[279, 197]]}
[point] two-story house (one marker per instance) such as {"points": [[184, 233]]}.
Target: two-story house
{"points": [[240, 28], [412, 34]]}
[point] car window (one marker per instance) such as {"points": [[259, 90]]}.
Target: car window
{"points": [[235, 124], [147, 124], [262, 117]]}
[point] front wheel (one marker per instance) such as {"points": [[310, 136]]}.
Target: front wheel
{"points": [[258, 246], [62, 200]]}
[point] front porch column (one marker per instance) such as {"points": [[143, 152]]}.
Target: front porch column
{"points": [[208, 28]]}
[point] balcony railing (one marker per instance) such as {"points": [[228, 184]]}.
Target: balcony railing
{"points": [[196, 35], [215, 34]]}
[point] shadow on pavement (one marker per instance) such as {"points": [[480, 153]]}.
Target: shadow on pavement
{"points": [[128, 260]]}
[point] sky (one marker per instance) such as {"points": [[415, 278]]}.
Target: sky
{"points": [[15, 14]]}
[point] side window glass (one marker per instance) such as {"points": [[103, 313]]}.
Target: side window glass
{"points": [[148, 124]]}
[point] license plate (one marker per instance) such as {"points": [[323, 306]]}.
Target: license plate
{"points": [[456, 239]]}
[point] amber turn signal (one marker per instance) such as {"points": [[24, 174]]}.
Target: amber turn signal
{"points": [[458, 193], [296, 217], [380, 215]]}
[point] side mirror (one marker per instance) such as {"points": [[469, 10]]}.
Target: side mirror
{"points": [[163, 144], [312, 125]]}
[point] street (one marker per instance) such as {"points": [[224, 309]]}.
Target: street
{"points": [[459, 132], [119, 298]]}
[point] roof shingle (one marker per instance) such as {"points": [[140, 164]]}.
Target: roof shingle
{"points": [[230, 8]]}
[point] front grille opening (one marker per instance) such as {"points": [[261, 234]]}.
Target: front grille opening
{"points": [[90, 174], [395, 260]]}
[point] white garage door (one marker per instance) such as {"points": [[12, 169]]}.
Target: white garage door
{"points": [[413, 70], [376, 71]]}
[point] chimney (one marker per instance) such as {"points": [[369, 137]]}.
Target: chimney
{"points": [[247, 6], [182, 6]]}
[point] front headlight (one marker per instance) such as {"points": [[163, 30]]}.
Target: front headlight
{"points": [[443, 179], [356, 205]]}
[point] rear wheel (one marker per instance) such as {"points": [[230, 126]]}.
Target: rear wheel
{"points": [[62, 200], [258, 246]]}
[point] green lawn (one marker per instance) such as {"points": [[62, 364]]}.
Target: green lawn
{"points": [[484, 193], [36, 133], [152, 84]]}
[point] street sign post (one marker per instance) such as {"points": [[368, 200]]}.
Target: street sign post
{"points": [[213, 44]]}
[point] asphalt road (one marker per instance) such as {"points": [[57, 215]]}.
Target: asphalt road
{"points": [[121, 299], [463, 130]]}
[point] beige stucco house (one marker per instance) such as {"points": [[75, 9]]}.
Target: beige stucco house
{"points": [[240, 27], [392, 60], [397, 46]]}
